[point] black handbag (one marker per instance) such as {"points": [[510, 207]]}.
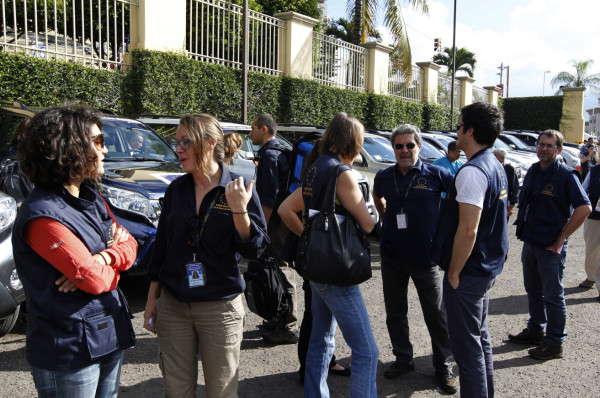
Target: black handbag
{"points": [[330, 251]]}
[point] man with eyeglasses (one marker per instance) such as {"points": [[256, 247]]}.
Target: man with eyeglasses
{"points": [[407, 197], [545, 221], [471, 246], [271, 186]]}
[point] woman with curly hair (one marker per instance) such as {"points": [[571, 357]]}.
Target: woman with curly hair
{"points": [[69, 252], [210, 218]]}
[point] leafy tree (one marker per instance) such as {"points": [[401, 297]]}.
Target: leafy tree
{"points": [[465, 60], [364, 13], [581, 78], [307, 7]]}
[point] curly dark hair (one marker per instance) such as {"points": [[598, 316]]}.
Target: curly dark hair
{"points": [[55, 146]]}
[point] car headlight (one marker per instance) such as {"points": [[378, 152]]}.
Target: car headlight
{"points": [[128, 200], [8, 212]]}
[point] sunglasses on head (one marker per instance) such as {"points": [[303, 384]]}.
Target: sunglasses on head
{"points": [[410, 145], [98, 141]]}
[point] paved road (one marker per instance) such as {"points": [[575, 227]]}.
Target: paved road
{"points": [[268, 371]]}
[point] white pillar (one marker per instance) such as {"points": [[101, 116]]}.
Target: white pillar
{"points": [[296, 51], [377, 67], [430, 81]]}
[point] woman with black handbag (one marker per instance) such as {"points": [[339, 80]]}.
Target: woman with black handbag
{"points": [[336, 298]]}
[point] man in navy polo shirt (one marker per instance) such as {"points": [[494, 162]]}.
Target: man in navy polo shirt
{"points": [[407, 196], [545, 221], [271, 186], [471, 246]]}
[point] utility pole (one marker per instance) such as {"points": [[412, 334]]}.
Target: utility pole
{"points": [[507, 77], [502, 67], [453, 70], [245, 58]]}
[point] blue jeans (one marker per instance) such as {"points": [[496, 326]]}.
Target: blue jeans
{"points": [[100, 379], [543, 273], [346, 306], [467, 310]]}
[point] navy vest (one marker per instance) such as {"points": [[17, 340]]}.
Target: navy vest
{"points": [[491, 244], [544, 205], [313, 183], [594, 191], [67, 331]]}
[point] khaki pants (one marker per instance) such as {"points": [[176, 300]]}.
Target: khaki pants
{"points": [[213, 329], [591, 236]]}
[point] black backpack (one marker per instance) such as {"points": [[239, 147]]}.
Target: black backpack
{"points": [[301, 147], [265, 292]]}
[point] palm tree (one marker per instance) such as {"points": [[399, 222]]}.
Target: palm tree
{"points": [[465, 60], [364, 13], [343, 28], [580, 79]]}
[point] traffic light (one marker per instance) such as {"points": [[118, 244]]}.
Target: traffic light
{"points": [[437, 44]]}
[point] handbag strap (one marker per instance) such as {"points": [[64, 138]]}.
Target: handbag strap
{"points": [[326, 200]]}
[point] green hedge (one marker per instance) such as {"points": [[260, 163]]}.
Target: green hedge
{"points": [[40, 82], [532, 113], [162, 83], [437, 117]]}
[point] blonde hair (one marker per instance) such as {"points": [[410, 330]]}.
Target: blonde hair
{"points": [[231, 143], [201, 128]]}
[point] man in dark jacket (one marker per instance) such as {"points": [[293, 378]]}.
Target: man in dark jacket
{"points": [[511, 177], [545, 221]]}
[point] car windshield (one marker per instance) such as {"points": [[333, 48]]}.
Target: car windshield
{"points": [[131, 140], [379, 149], [428, 151], [516, 142], [499, 144]]}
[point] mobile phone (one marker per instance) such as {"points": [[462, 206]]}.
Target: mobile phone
{"points": [[151, 322]]}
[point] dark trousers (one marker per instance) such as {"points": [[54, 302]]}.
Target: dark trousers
{"points": [[428, 283], [467, 309], [306, 329]]}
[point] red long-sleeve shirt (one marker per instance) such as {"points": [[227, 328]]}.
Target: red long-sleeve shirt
{"points": [[58, 245]]}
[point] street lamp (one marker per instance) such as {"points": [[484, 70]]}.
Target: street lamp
{"points": [[544, 86]]}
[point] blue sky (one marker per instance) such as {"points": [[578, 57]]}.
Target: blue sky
{"points": [[531, 36]]}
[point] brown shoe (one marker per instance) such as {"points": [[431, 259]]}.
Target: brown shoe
{"points": [[587, 284]]}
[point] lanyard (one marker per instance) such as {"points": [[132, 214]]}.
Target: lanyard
{"points": [[198, 236], [408, 189]]}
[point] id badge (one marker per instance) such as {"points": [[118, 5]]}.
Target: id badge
{"points": [[195, 273], [401, 220]]}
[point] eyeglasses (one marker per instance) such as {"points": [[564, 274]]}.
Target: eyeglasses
{"points": [[410, 145], [547, 146], [183, 144], [98, 141], [459, 125]]}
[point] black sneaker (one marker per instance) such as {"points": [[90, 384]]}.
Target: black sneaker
{"points": [[448, 383], [280, 337], [546, 351], [397, 369], [527, 337]]}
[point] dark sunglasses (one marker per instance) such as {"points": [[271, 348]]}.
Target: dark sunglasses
{"points": [[183, 144], [98, 141], [459, 125], [410, 145]]}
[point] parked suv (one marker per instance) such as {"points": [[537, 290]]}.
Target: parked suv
{"points": [[11, 289], [134, 181]]}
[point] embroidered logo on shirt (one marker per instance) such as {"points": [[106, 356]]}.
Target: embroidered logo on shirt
{"points": [[221, 203], [548, 190], [421, 183]]}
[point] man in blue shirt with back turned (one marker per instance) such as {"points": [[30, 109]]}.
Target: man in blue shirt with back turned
{"points": [[451, 161], [407, 196]]}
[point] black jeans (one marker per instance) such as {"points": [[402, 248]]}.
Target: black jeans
{"points": [[428, 283], [306, 329]]}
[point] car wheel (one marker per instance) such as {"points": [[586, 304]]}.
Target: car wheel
{"points": [[8, 323]]}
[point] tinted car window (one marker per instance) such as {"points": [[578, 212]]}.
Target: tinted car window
{"points": [[116, 133], [379, 149]]}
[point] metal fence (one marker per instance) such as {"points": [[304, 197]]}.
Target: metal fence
{"points": [[409, 90], [480, 94], [338, 63], [444, 88], [214, 35], [95, 33]]}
